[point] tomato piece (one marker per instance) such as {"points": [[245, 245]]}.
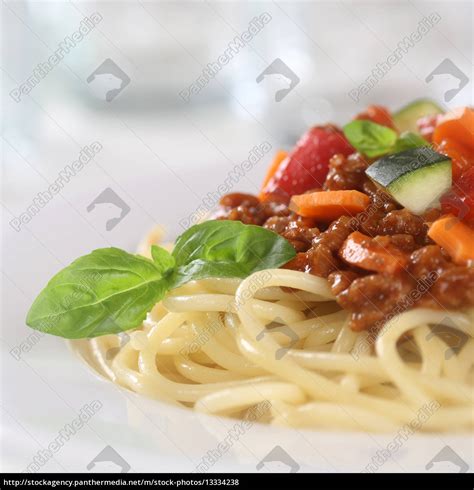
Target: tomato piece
{"points": [[457, 125], [460, 199], [377, 114], [307, 164], [461, 156]]}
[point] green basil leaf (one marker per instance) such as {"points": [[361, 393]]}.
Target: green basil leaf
{"points": [[163, 260], [110, 291], [369, 138], [227, 249], [408, 141], [107, 291]]}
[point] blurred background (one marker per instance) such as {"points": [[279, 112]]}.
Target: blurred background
{"points": [[135, 112]]}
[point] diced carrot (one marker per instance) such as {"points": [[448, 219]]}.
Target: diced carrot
{"points": [[457, 125], [372, 254], [279, 157], [455, 237], [329, 205]]}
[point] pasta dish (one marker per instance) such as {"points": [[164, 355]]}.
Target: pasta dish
{"points": [[339, 297]]}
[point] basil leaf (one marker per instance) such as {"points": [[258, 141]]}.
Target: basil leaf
{"points": [[408, 141], [110, 291], [227, 249], [107, 291], [369, 138], [163, 260]]}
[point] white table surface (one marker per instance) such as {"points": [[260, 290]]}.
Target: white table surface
{"points": [[162, 163]]}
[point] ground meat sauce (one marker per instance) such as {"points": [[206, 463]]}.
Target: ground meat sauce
{"points": [[430, 279], [346, 173]]}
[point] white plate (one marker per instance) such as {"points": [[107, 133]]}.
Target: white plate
{"points": [[207, 443], [51, 385]]}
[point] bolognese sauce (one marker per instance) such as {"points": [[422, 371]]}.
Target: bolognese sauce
{"points": [[428, 276]]}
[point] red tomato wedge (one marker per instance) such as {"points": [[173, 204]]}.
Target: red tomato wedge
{"points": [[307, 165], [459, 201]]}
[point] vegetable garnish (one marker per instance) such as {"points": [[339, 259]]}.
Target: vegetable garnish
{"points": [[374, 140], [460, 198], [372, 254], [457, 125], [406, 119], [454, 136], [227, 249], [307, 165], [408, 140], [278, 158], [377, 114], [329, 205], [455, 237], [416, 178], [369, 138], [461, 156], [109, 290]]}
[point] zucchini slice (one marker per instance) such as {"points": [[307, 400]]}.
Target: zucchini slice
{"points": [[416, 178], [405, 119]]}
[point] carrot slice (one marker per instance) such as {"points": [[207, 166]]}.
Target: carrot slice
{"points": [[372, 254], [279, 157], [457, 125], [455, 237], [329, 205]]}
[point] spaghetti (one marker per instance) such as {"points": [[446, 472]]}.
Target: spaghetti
{"points": [[342, 296], [203, 347]]}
